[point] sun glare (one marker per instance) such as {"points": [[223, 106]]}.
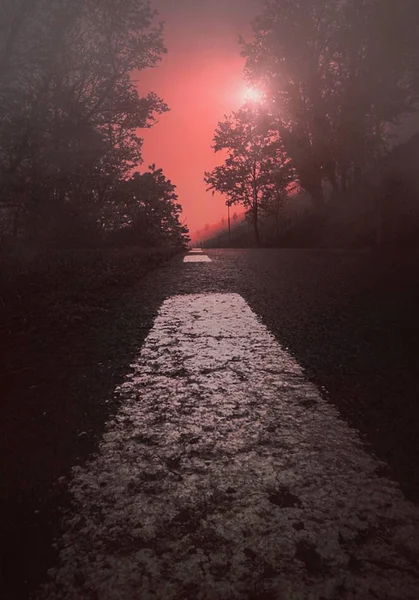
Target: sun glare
{"points": [[253, 95]]}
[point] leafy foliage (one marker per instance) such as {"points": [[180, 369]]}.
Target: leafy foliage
{"points": [[70, 112], [145, 210], [335, 77], [256, 170], [336, 74]]}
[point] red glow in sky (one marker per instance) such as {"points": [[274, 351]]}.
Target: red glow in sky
{"points": [[201, 79]]}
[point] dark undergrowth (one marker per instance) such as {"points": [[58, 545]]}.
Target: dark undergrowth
{"points": [[63, 289], [70, 325]]}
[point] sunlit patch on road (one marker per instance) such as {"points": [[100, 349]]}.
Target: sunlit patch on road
{"points": [[225, 474], [196, 258]]}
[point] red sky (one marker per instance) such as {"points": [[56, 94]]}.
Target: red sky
{"points": [[200, 78]]}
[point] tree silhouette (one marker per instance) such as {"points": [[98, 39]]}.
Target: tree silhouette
{"points": [[336, 74], [256, 165], [144, 210], [70, 112]]}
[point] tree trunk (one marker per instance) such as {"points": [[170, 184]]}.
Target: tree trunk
{"points": [[335, 187], [256, 223], [330, 172], [317, 194]]}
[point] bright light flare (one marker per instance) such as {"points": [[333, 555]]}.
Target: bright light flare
{"points": [[253, 95]]}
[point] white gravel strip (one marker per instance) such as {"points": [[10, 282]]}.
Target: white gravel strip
{"points": [[225, 475]]}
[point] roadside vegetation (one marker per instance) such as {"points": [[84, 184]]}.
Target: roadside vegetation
{"points": [[335, 82], [81, 223], [79, 216], [70, 122]]}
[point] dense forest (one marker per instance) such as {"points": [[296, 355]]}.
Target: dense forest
{"points": [[335, 78], [70, 117]]}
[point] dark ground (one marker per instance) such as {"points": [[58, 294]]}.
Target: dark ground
{"points": [[349, 318]]}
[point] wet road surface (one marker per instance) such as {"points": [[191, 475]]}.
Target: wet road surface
{"points": [[226, 472]]}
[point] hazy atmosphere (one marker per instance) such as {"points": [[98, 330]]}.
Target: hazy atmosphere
{"points": [[209, 291], [201, 79]]}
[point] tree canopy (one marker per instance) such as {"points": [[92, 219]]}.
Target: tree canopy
{"points": [[70, 111], [144, 209], [332, 80], [256, 168], [336, 74]]}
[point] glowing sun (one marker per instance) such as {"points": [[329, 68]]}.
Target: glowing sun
{"points": [[253, 95]]}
